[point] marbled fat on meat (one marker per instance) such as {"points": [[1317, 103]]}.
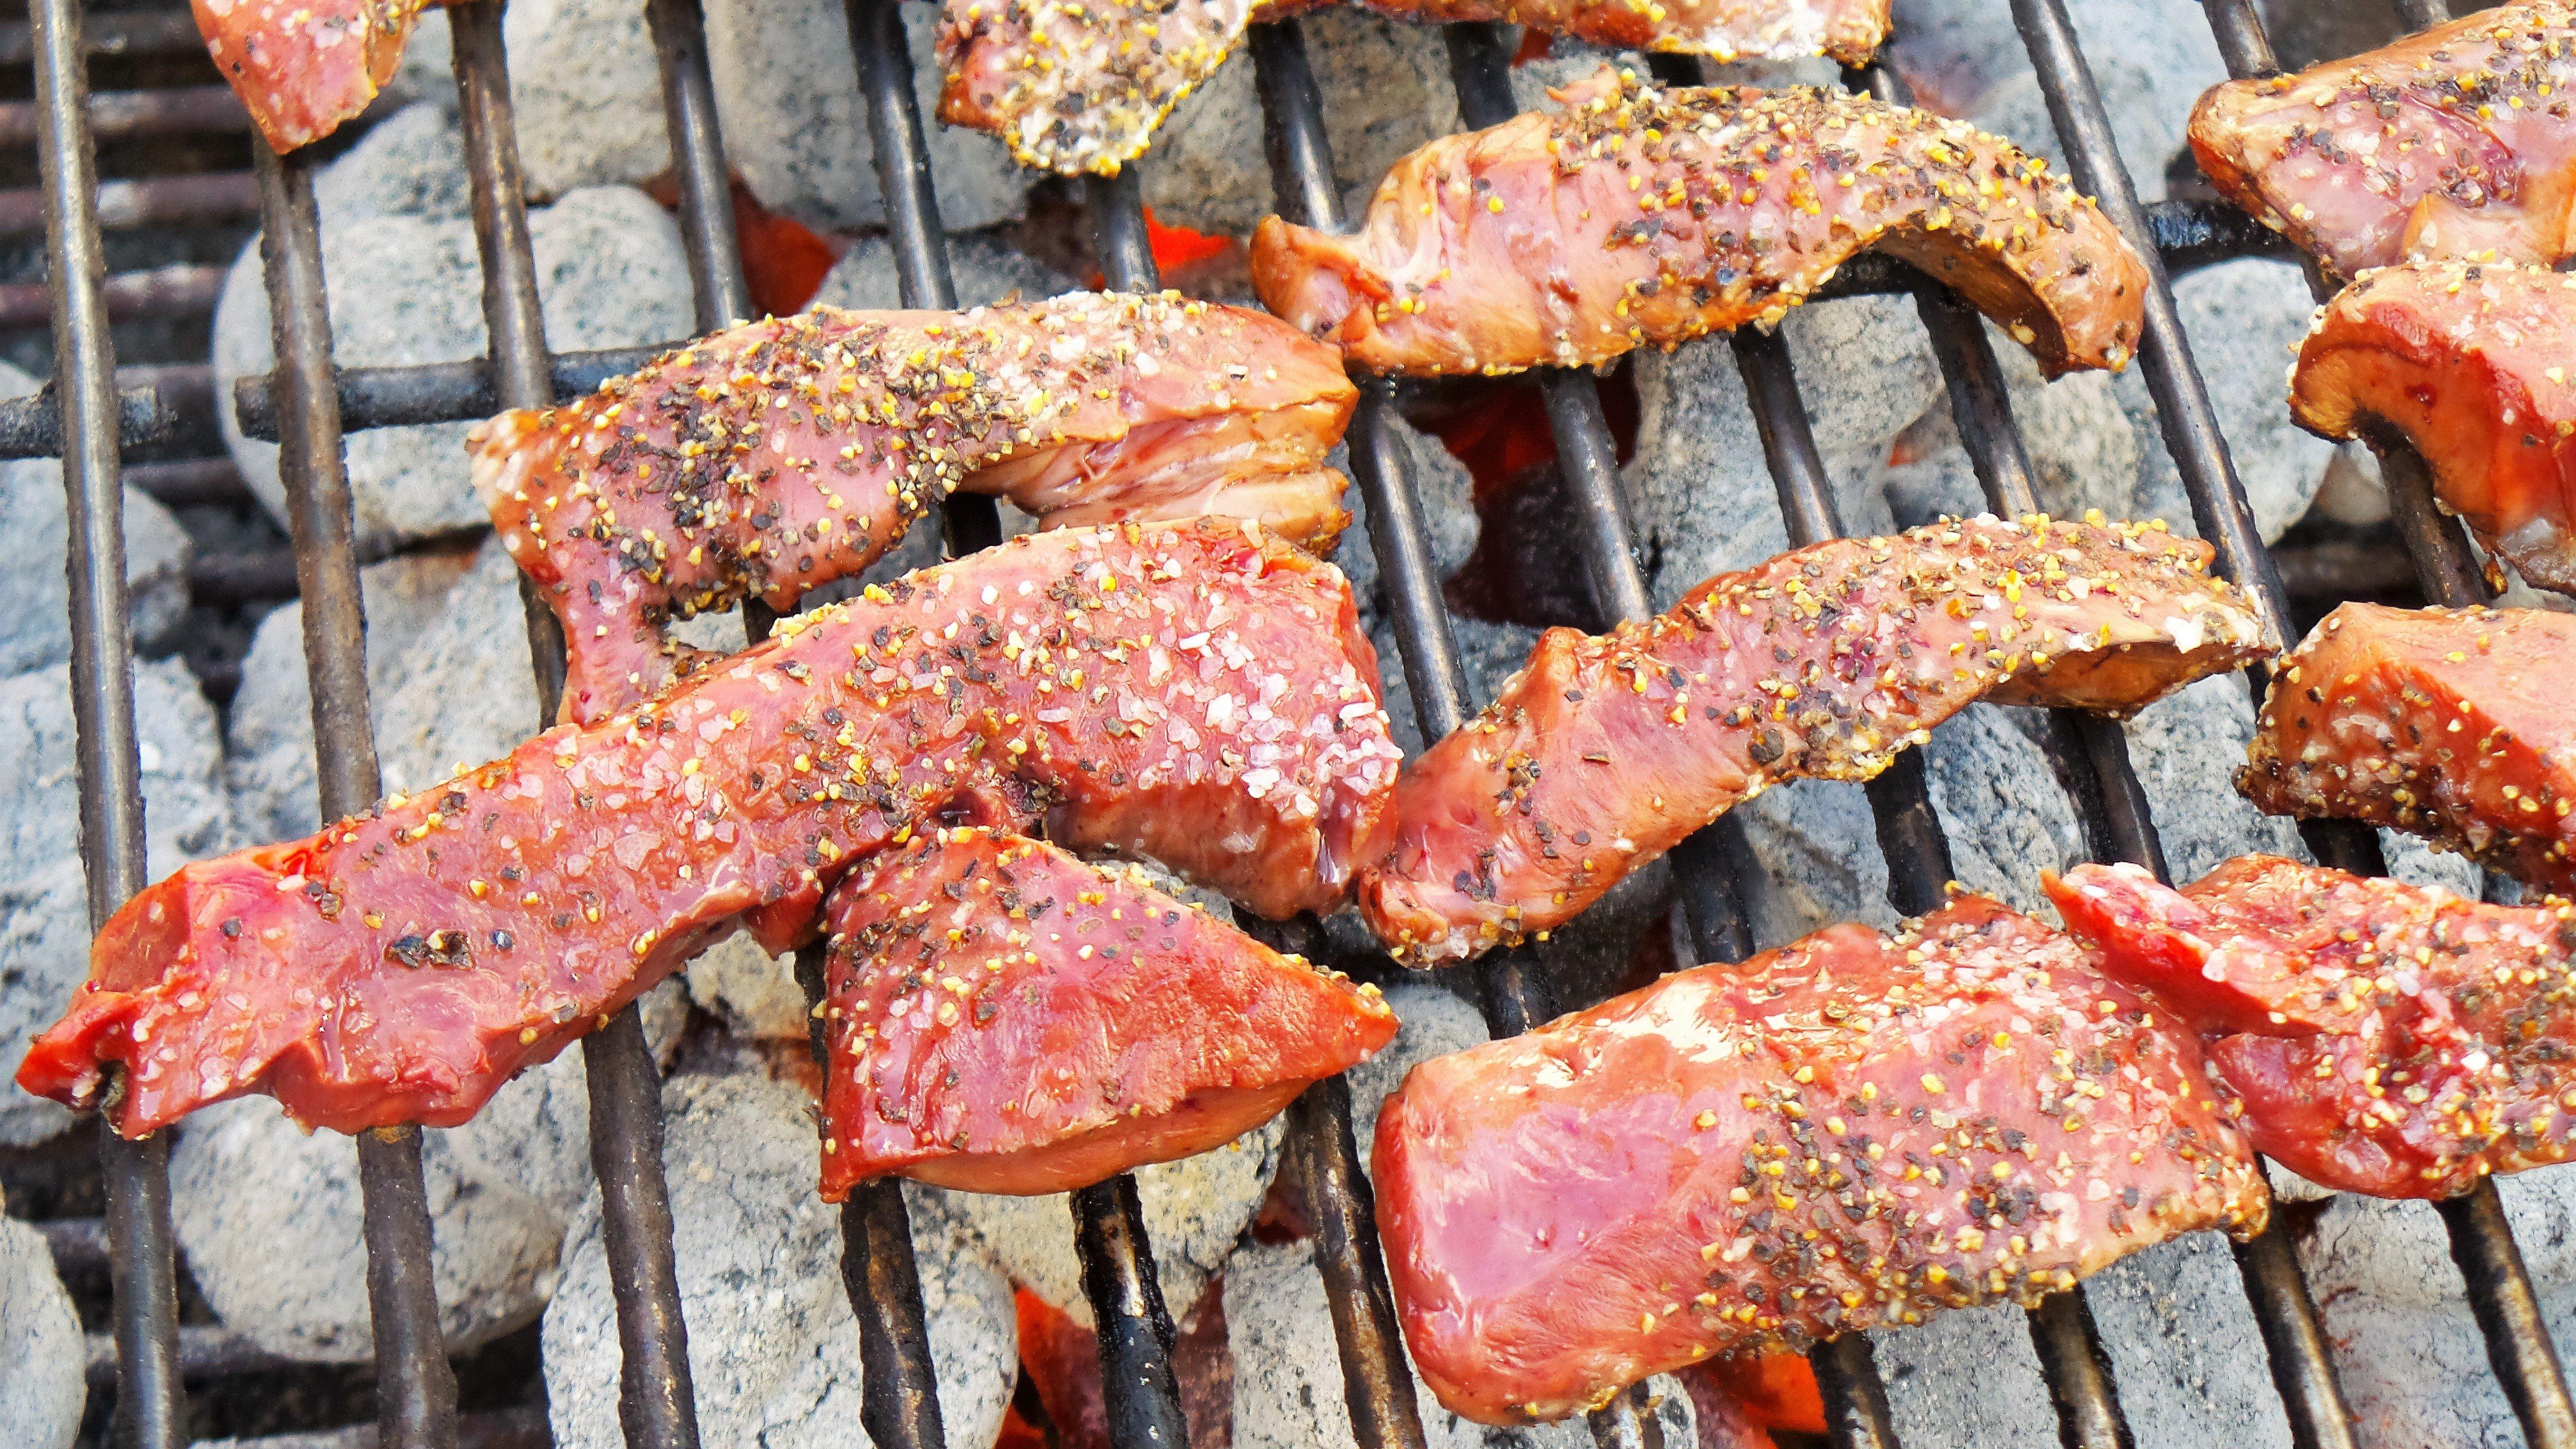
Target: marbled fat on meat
{"points": [[1849, 1133], [1196, 693], [773, 457], [2384, 1038], [301, 67], [2451, 724], [1005, 1018], [1637, 216], [2453, 143], [2467, 361], [1605, 751]]}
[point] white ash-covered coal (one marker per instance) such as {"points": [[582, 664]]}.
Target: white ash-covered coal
{"points": [[41, 1353], [773, 1349]]}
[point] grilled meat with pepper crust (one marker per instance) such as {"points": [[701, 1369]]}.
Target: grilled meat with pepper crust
{"points": [[1604, 752], [2466, 361], [2384, 1038], [770, 458], [1849, 1133], [1072, 88], [2453, 143], [1005, 1018], [1194, 693], [1638, 216], [2446, 723], [301, 67]]}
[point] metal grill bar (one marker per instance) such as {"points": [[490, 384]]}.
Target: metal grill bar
{"points": [[1918, 858], [2492, 1272], [415, 1388], [151, 1410], [1140, 1392], [2283, 1309], [657, 1402], [1377, 1388], [1588, 462]]}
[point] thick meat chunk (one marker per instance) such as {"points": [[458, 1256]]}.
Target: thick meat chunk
{"points": [[1849, 1133], [2445, 723], [1636, 216], [2467, 361], [301, 67], [1193, 693], [768, 459], [1005, 1018], [2453, 143], [2384, 1038], [1076, 88], [1605, 751]]}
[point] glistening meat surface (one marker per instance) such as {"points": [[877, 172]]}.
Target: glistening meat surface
{"points": [[1849, 1133], [1005, 1018], [1076, 88], [2453, 143], [2384, 1038], [2468, 362], [2451, 724], [1194, 693], [301, 67], [1637, 216], [1605, 751], [770, 458]]}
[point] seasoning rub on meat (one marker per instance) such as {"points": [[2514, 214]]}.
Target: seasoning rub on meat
{"points": [[1854, 1132], [770, 458], [1198, 694], [1076, 87], [2468, 362], [2453, 143], [1604, 752], [2384, 1038], [1637, 216], [2451, 724], [1005, 1018]]}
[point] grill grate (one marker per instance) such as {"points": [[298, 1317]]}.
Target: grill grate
{"points": [[308, 403]]}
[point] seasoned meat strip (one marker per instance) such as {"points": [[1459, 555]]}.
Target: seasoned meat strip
{"points": [[1194, 693], [2467, 361], [1853, 1132], [773, 457], [1072, 88], [1636, 216], [2453, 143], [301, 67], [2445, 723], [1005, 1018], [1605, 751], [2384, 1038]]}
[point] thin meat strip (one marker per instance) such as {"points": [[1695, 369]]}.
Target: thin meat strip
{"points": [[2453, 143], [1199, 694], [1637, 216], [2467, 362], [1005, 1018], [1075, 88], [301, 67], [1854, 1132], [773, 457], [1605, 751], [2451, 724], [2383, 1038]]}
